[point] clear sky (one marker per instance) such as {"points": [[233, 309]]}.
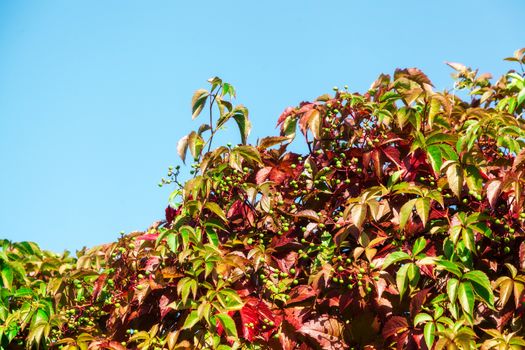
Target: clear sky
{"points": [[95, 94]]}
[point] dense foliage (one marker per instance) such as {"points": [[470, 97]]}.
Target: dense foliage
{"points": [[402, 226]]}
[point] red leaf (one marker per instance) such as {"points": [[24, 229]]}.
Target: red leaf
{"points": [[106, 344], [300, 294], [152, 263], [277, 176], [418, 300], [240, 213], [493, 190], [99, 284], [504, 316], [287, 261], [346, 300], [249, 315], [163, 303], [392, 153], [393, 326], [148, 237], [413, 74], [324, 331], [519, 161], [522, 255], [288, 111], [170, 214], [255, 311], [414, 164], [244, 287], [262, 174]]}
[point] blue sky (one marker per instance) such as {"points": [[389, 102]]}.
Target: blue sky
{"points": [[95, 94]]}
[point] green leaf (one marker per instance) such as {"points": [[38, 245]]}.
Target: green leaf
{"points": [[473, 179], [173, 242], [521, 97], [422, 318], [240, 114], [413, 274], [517, 342], [401, 279], [423, 209], [230, 299], [191, 320], [466, 297], [215, 223], [212, 236], [228, 324], [406, 212], [228, 89], [7, 277], [186, 232], [452, 289], [468, 239], [434, 154], [249, 153], [289, 126], [449, 266], [439, 138], [195, 143], [217, 210], [395, 257], [41, 316], [419, 245], [198, 101], [428, 333], [448, 152], [481, 284], [23, 292]]}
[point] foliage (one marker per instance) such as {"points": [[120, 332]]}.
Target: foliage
{"points": [[402, 226]]}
